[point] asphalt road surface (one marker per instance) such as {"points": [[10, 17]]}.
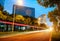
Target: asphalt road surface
{"points": [[38, 36]]}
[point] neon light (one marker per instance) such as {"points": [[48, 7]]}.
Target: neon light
{"points": [[12, 23]]}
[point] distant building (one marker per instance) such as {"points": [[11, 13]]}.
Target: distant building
{"points": [[2, 2], [42, 19], [23, 10]]}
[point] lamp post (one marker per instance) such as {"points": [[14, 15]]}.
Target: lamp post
{"points": [[13, 19], [18, 2]]}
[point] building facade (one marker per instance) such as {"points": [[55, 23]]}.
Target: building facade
{"points": [[42, 19], [24, 11], [8, 27]]}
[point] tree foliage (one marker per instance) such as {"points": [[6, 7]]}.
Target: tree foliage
{"points": [[50, 3], [2, 17], [52, 15], [5, 13], [1, 7]]}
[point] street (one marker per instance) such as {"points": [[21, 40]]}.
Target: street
{"points": [[38, 36]]}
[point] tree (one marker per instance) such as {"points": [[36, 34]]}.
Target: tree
{"points": [[2, 16], [19, 18], [27, 21], [34, 21], [52, 16], [9, 18], [50, 3], [1, 7], [43, 26], [5, 13]]}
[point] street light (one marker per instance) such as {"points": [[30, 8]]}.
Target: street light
{"points": [[18, 2]]}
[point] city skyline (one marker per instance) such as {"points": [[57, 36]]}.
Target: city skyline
{"points": [[39, 9], [29, 3], [24, 11], [29, 20]]}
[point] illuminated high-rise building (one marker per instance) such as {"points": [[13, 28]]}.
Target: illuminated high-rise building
{"points": [[24, 11]]}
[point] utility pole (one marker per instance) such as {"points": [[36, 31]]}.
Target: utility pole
{"points": [[13, 20]]}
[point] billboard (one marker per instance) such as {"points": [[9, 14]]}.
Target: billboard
{"points": [[23, 10]]}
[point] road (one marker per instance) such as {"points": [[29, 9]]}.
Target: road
{"points": [[38, 36]]}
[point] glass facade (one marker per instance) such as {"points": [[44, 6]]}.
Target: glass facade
{"points": [[2, 27], [24, 11], [8, 27], [19, 28], [5, 27]]}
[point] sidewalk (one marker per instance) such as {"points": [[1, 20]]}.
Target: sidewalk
{"points": [[10, 34]]}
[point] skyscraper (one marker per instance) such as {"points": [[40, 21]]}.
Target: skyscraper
{"points": [[2, 2], [25, 11]]}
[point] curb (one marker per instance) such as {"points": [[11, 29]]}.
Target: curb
{"points": [[22, 33]]}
